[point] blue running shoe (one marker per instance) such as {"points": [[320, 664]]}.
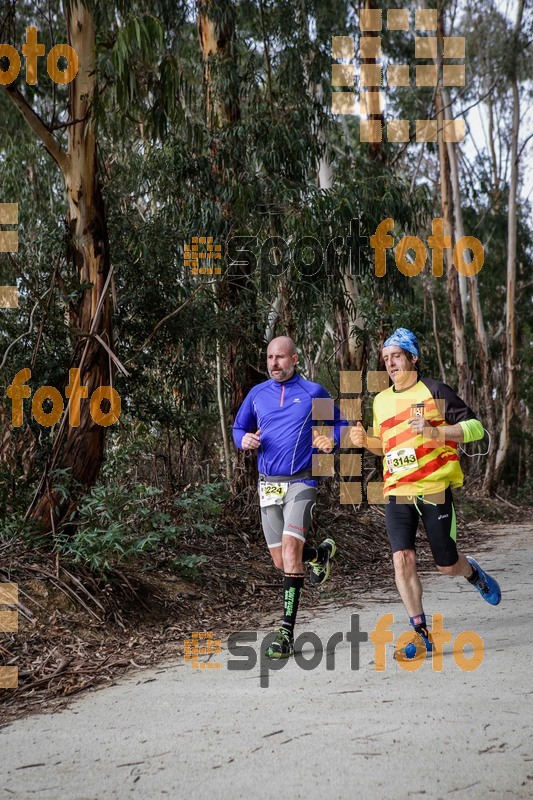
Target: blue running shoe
{"points": [[414, 648], [486, 585]]}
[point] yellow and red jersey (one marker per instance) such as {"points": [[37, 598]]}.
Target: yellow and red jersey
{"points": [[412, 465]]}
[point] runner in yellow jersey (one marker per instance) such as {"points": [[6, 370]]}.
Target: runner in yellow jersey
{"points": [[417, 426]]}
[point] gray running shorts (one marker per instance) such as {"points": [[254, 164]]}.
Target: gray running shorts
{"points": [[293, 517]]}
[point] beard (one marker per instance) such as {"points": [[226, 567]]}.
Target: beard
{"points": [[282, 375]]}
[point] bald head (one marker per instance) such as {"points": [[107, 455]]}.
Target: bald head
{"points": [[284, 342], [281, 358]]}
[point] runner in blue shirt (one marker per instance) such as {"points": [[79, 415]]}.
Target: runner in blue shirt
{"points": [[276, 419]]}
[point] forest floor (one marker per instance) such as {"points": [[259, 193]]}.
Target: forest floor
{"points": [[76, 633]]}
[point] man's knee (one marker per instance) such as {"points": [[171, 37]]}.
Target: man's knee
{"points": [[404, 561], [292, 553]]}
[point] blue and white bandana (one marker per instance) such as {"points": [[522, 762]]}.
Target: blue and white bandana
{"points": [[405, 339]]}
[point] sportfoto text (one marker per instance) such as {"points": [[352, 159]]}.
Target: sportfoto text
{"points": [[274, 256], [246, 656]]}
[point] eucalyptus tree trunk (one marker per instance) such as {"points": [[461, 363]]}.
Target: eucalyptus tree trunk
{"points": [[235, 294], [511, 365], [477, 311], [442, 371], [458, 229], [216, 33], [375, 148], [348, 353], [80, 449], [452, 281]]}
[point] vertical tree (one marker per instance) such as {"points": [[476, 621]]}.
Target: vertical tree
{"points": [[236, 294], [511, 364], [79, 449], [447, 205]]}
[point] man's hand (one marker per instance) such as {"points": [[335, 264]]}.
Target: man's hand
{"points": [[322, 442], [358, 436], [251, 441], [417, 425], [420, 426]]}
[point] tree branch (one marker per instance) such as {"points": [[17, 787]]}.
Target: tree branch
{"points": [[524, 144], [39, 128], [58, 125], [26, 333], [162, 322]]}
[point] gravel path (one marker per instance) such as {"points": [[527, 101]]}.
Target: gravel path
{"points": [[311, 733]]}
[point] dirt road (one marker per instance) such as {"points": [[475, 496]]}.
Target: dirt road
{"points": [[237, 732]]}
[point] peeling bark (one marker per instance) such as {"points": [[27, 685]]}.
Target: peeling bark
{"points": [[79, 449]]}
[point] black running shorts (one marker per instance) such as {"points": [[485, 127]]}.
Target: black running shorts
{"points": [[403, 514]]}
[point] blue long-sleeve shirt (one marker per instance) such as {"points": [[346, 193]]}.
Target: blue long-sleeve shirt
{"points": [[284, 413]]}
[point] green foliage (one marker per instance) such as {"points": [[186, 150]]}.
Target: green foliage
{"points": [[114, 524], [118, 525], [125, 519], [205, 502]]}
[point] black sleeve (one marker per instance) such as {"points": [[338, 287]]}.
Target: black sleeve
{"points": [[455, 409]]}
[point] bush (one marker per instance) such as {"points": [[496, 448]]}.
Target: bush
{"points": [[116, 524]]}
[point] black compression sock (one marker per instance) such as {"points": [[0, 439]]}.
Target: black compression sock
{"points": [[292, 589], [474, 576]]}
